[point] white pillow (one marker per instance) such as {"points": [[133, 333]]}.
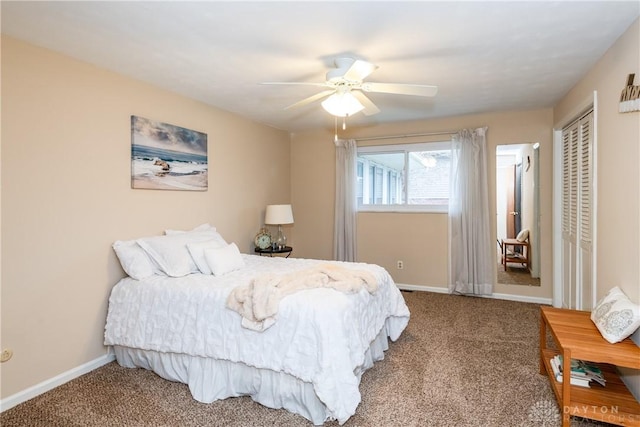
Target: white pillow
{"points": [[201, 227], [134, 260], [616, 316], [224, 260], [523, 235], [196, 249], [170, 252]]}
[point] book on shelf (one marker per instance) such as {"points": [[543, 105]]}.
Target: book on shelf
{"points": [[582, 373], [575, 380]]}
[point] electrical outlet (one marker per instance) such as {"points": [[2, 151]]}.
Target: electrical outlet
{"points": [[400, 265], [6, 355]]}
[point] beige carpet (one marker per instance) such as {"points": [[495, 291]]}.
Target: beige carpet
{"points": [[516, 275], [462, 361]]}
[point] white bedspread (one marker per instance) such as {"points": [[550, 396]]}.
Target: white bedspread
{"points": [[321, 335]]}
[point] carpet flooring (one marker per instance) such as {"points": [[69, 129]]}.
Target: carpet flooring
{"points": [[462, 361], [516, 275]]}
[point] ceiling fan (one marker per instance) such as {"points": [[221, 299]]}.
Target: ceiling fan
{"points": [[346, 86]]}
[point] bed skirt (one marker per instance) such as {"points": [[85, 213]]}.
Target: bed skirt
{"points": [[213, 379]]}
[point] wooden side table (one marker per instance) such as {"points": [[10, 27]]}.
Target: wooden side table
{"points": [[270, 251], [522, 258], [577, 337]]}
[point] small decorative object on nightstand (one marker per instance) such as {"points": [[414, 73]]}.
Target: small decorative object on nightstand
{"points": [[262, 239]]}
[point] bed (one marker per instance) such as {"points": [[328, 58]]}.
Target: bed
{"points": [[309, 359]]}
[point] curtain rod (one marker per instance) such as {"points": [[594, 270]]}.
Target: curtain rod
{"points": [[411, 135]]}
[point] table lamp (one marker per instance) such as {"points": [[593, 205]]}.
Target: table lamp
{"points": [[278, 215]]}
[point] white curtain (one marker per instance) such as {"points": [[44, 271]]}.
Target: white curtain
{"points": [[471, 269], [344, 229]]}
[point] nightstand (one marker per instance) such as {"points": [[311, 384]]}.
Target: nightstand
{"points": [[270, 251]]}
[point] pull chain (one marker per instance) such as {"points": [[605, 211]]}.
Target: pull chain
{"points": [[335, 126]]}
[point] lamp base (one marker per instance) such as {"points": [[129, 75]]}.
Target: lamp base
{"points": [[281, 239]]}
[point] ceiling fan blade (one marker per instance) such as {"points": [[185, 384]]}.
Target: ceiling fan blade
{"points": [[311, 99], [324, 84], [369, 107], [359, 70], [400, 88]]}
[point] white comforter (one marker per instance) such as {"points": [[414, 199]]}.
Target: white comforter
{"points": [[321, 335]]}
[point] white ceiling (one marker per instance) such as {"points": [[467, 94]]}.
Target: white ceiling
{"points": [[484, 56]]}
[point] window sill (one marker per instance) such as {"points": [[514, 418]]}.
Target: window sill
{"points": [[403, 209]]}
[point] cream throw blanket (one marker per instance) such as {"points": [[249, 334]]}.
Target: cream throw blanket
{"points": [[258, 301]]}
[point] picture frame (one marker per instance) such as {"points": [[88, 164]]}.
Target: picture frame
{"points": [[167, 157]]}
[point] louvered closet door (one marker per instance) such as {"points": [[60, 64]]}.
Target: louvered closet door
{"points": [[585, 216], [577, 208], [569, 199]]}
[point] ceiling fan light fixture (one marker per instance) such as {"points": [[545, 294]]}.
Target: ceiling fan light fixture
{"points": [[342, 104]]}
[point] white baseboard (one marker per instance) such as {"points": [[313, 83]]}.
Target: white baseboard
{"points": [[435, 289], [38, 389], [509, 297]]}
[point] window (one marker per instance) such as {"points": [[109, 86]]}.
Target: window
{"points": [[409, 177]]}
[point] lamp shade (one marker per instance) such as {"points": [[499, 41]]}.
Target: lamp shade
{"points": [[342, 104], [278, 214]]}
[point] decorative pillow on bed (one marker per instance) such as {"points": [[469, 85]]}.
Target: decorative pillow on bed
{"points": [[224, 260], [196, 249], [201, 227], [616, 316], [170, 252], [134, 260]]}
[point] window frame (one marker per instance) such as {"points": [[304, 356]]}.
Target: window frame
{"points": [[400, 148]]}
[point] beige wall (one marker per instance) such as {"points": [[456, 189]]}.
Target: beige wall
{"points": [[420, 240], [618, 157], [66, 197]]}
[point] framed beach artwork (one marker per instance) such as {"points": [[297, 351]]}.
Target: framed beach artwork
{"points": [[167, 157]]}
